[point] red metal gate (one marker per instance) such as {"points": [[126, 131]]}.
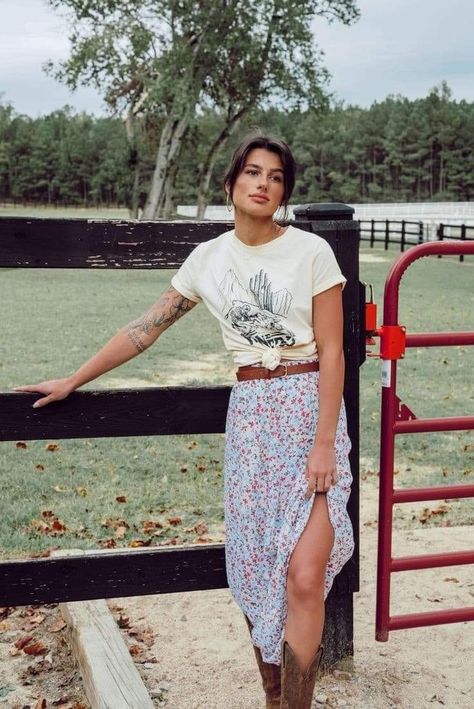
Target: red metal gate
{"points": [[397, 419]]}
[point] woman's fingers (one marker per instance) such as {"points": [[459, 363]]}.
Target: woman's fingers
{"points": [[27, 387], [42, 402], [319, 483]]}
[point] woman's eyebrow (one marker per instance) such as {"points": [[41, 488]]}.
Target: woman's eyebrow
{"points": [[274, 169]]}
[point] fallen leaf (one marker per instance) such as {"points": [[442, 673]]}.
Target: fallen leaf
{"points": [[114, 523], [107, 543], [123, 621], [135, 650], [47, 514], [451, 578], [174, 520], [82, 491], [58, 526], [140, 543], [58, 625], [21, 444], [37, 648], [39, 467], [150, 525], [32, 622], [201, 468], [143, 635], [21, 642], [121, 498], [120, 532], [52, 447], [200, 528]]}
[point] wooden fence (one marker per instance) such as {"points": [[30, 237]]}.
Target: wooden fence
{"points": [[463, 232], [77, 243], [391, 231], [408, 233]]}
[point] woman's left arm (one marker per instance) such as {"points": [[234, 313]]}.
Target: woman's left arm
{"points": [[328, 331]]}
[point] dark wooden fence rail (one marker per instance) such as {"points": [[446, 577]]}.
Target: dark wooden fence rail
{"points": [[77, 243], [391, 231], [464, 232]]}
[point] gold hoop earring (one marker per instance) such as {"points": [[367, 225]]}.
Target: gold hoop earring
{"points": [[228, 203]]}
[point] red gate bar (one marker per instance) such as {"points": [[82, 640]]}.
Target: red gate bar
{"points": [[432, 561], [419, 620], [438, 339], [450, 423], [391, 426], [439, 492]]}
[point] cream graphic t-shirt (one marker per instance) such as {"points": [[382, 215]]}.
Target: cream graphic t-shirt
{"points": [[261, 295]]}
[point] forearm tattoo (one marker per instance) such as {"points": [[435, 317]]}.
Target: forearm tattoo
{"points": [[169, 308]]}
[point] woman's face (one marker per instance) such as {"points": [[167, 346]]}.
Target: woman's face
{"points": [[259, 188]]}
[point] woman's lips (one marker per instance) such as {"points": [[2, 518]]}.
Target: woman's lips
{"points": [[260, 198]]}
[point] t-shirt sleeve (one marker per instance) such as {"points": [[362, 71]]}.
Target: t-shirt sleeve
{"points": [[326, 271], [185, 281]]}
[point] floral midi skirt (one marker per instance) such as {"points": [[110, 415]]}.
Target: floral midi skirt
{"points": [[270, 430]]}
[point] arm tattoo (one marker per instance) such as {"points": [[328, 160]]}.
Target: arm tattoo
{"points": [[169, 308]]}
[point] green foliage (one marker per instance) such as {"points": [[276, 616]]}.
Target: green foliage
{"points": [[396, 150]]}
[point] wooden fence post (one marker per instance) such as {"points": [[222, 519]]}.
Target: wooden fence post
{"points": [[440, 234], [334, 222], [463, 237]]}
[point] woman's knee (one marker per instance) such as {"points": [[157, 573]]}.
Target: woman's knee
{"points": [[306, 585]]}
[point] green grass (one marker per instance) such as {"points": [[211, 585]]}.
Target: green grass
{"points": [[54, 320], [435, 295]]}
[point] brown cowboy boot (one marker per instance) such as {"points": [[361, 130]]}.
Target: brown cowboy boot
{"points": [[296, 686], [270, 676]]}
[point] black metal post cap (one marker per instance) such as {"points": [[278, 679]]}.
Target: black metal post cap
{"points": [[321, 211]]}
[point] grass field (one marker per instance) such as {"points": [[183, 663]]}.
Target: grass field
{"points": [[155, 490]]}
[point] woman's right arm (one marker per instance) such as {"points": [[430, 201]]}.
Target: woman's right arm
{"points": [[129, 341]]}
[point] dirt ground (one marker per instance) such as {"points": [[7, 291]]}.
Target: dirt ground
{"points": [[204, 656], [193, 650]]}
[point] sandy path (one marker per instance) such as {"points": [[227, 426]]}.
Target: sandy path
{"points": [[205, 658]]}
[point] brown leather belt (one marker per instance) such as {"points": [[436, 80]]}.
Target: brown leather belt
{"points": [[250, 372]]}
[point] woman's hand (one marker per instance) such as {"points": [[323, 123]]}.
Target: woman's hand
{"points": [[54, 389], [321, 470]]}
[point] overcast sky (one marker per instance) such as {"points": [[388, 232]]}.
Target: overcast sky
{"points": [[398, 46]]}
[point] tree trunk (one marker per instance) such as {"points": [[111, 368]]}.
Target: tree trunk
{"points": [[133, 162], [170, 144], [206, 173], [168, 209]]}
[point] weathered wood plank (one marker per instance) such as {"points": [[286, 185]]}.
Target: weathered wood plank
{"points": [[134, 572], [150, 411], [111, 679], [87, 243]]}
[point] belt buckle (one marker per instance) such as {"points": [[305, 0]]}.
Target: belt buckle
{"points": [[283, 374]]}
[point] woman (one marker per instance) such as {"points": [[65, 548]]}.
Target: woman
{"points": [[276, 292]]}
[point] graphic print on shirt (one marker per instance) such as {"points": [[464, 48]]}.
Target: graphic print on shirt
{"points": [[256, 312]]}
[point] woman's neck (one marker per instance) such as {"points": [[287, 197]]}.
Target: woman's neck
{"points": [[256, 232]]}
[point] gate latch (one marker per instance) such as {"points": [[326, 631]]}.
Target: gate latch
{"points": [[392, 337]]}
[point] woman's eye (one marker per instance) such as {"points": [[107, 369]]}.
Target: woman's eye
{"points": [[277, 178], [251, 172]]}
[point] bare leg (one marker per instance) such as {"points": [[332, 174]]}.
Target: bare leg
{"points": [[305, 584]]}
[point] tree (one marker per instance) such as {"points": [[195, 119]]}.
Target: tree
{"points": [[168, 58]]}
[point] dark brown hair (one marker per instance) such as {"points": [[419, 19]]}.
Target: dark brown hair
{"points": [[274, 145]]}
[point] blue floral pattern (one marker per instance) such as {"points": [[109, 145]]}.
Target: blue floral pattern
{"points": [[270, 429]]}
